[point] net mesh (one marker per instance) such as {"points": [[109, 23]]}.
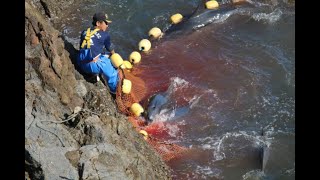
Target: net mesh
{"points": [[124, 101], [138, 91], [166, 150]]}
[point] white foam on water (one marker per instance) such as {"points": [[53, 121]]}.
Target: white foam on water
{"points": [[269, 18], [219, 18], [175, 84], [254, 174], [160, 18], [217, 144], [290, 171], [173, 130], [208, 172], [169, 111], [194, 101], [164, 115], [207, 146]]}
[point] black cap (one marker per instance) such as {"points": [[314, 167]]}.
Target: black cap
{"points": [[99, 16]]}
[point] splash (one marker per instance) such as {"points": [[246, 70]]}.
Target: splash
{"points": [[254, 174], [268, 18]]}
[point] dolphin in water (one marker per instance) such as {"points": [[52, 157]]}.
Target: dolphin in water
{"points": [[156, 102], [278, 157], [201, 16], [159, 104]]}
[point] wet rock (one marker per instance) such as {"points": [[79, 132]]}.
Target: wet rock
{"points": [[60, 143]]}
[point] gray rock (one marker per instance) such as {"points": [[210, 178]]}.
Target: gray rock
{"points": [[81, 89], [54, 163], [97, 136]]}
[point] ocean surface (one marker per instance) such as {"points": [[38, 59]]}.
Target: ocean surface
{"points": [[229, 78]]}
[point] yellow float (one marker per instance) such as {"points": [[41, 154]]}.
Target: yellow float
{"points": [[212, 4], [136, 109], [176, 18], [116, 60], [144, 45], [144, 133], [126, 86], [127, 64], [135, 57], [155, 33]]}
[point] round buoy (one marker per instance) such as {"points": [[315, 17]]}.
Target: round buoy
{"points": [[127, 64], [212, 4], [126, 86], [135, 57], [122, 66], [144, 133], [116, 60], [136, 109], [144, 45], [155, 33], [176, 18]]}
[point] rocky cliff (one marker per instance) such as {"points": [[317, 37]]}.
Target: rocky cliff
{"points": [[72, 127]]}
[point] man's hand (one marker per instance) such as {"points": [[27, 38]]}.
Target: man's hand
{"points": [[95, 59]]}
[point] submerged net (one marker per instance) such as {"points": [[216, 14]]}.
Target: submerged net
{"points": [[138, 91], [166, 150]]}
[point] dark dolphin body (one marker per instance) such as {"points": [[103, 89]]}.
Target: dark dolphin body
{"points": [[201, 17], [269, 158], [273, 157], [198, 18], [159, 104], [156, 102], [279, 156]]}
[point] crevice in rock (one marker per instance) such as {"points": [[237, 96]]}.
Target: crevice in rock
{"points": [[55, 70], [118, 132], [80, 170], [35, 63], [46, 9], [32, 167], [94, 167], [87, 132], [77, 129], [29, 23], [71, 49], [62, 177], [73, 123]]}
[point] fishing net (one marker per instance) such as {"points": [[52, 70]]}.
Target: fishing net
{"points": [[166, 150], [138, 91], [124, 101]]}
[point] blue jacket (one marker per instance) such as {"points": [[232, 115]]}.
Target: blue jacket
{"points": [[100, 42]]}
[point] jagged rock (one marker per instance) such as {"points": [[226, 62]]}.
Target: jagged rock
{"points": [[49, 57], [54, 163], [96, 141], [51, 8], [104, 161]]}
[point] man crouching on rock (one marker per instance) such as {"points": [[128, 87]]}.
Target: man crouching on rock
{"points": [[93, 58]]}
